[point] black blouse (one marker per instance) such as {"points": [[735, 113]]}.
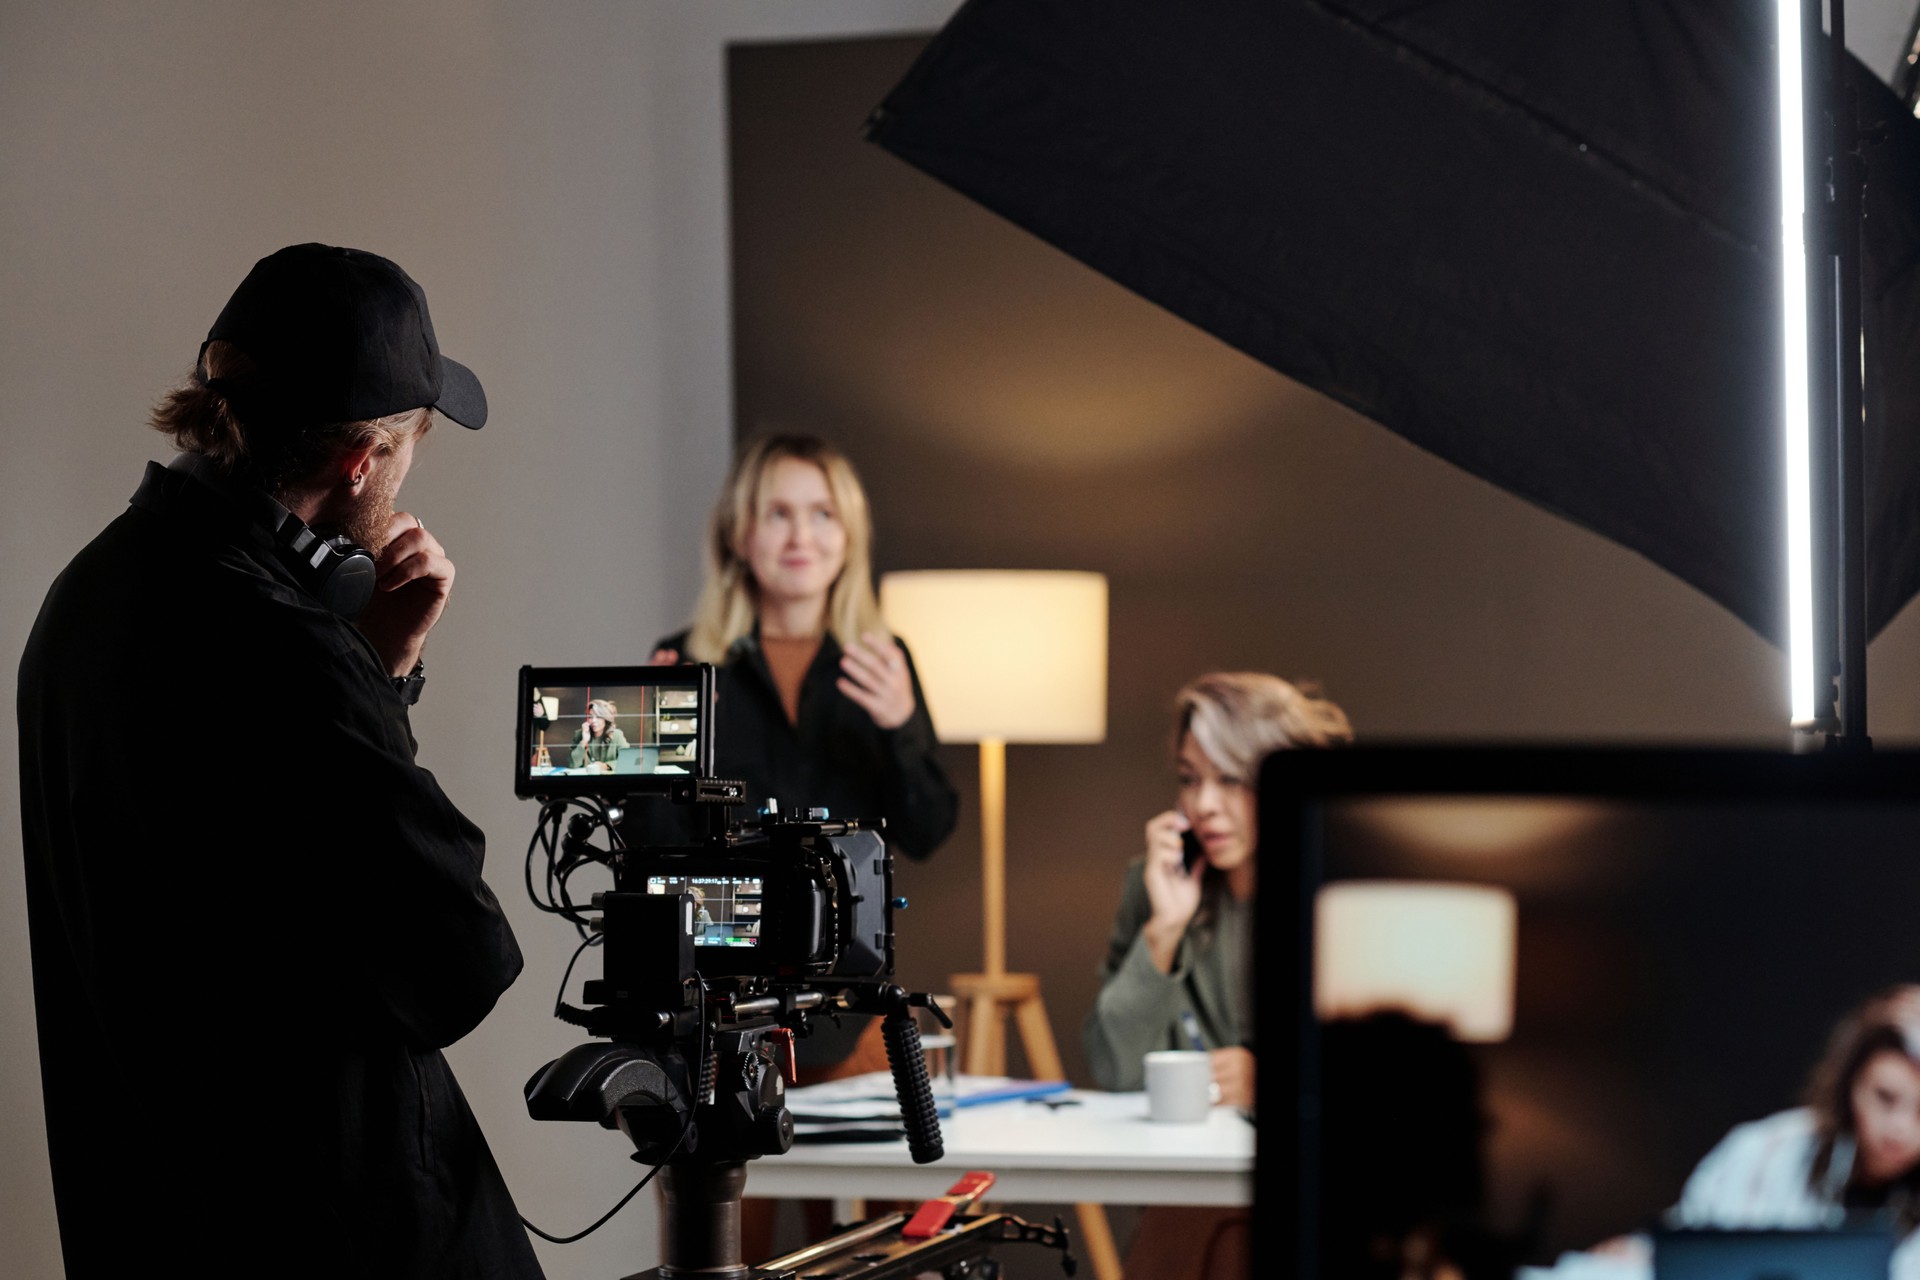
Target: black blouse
{"points": [[836, 757]]}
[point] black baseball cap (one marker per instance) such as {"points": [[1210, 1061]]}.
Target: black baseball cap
{"points": [[341, 335]]}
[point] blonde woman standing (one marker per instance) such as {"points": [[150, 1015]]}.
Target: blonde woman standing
{"points": [[818, 705]]}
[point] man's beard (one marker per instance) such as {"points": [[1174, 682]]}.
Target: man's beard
{"points": [[366, 522]]}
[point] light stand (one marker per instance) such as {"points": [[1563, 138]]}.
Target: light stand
{"points": [[1821, 180]]}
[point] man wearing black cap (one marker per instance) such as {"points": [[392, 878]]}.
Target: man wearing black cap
{"points": [[255, 920]]}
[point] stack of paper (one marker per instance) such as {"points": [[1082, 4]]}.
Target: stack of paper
{"points": [[864, 1108]]}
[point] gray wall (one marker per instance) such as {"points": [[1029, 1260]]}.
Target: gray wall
{"points": [[555, 178]]}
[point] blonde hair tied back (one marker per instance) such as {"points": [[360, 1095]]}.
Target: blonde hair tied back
{"points": [[727, 607]]}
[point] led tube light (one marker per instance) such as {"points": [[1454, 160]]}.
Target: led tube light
{"points": [[1799, 436]]}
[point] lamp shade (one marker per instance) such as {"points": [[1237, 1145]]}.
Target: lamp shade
{"points": [[1016, 655], [1443, 952]]}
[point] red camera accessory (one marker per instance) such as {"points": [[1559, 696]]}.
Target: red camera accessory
{"points": [[934, 1215]]}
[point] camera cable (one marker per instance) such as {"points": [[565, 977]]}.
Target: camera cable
{"points": [[569, 1013], [699, 1074]]}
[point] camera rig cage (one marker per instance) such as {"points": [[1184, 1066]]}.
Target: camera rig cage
{"points": [[695, 1018]]}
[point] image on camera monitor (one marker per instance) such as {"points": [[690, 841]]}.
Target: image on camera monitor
{"points": [[726, 910], [583, 730]]}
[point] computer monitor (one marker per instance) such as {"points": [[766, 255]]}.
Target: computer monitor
{"points": [[1689, 926]]}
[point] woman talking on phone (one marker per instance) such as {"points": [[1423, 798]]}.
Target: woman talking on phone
{"points": [[1180, 959]]}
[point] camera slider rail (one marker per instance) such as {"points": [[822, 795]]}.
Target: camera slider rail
{"points": [[877, 1251]]}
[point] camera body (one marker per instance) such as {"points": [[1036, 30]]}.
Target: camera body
{"points": [[776, 897], [718, 953], [780, 898]]}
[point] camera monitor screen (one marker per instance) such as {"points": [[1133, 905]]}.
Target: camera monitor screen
{"points": [[726, 909], [608, 731]]}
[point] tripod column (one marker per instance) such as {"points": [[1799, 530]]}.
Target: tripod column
{"points": [[700, 1225]]}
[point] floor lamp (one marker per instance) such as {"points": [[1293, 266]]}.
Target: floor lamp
{"points": [[1008, 656]]}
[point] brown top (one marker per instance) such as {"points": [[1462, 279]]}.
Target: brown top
{"points": [[788, 660]]}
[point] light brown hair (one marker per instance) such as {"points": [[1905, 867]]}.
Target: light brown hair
{"points": [[728, 604], [1237, 717], [204, 416], [1885, 1022], [604, 709]]}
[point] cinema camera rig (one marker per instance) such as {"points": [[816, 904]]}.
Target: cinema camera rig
{"points": [[719, 952]]}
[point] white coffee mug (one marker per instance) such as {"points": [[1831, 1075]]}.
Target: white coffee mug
{"points": [[1179, 1086]]}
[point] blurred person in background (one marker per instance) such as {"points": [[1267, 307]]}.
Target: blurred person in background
{"points": [[1178, 972]]}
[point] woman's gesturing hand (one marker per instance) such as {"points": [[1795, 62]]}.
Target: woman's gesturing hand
{"points": [[874, 674], [1173, 894]]}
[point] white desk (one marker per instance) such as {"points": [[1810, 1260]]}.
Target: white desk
{"points": [[1104, 1150]]}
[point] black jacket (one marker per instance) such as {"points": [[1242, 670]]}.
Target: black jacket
{"points": [[836, 758], [255, 922]]}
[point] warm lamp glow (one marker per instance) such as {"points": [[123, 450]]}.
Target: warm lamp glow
{"points": [[1442, 952], [1475, 826], [1015, 655]]}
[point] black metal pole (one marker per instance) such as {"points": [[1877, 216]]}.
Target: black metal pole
{"points": [[1846, 178], [1823, 438], [1823, 428]]}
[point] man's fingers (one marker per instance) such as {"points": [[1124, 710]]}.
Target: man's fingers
{"points": [[414, 567], [411, 542]]}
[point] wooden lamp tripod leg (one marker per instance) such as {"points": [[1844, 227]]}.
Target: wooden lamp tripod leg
{"points": [[994, 995]]}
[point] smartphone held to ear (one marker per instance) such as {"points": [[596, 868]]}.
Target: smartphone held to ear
{"points": [[1191, 852]]}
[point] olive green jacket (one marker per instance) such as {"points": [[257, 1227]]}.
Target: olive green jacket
{"points": [[603, 751], [1139, 1008]]}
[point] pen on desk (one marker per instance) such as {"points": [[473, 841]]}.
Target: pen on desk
{"points": [[1013, 1092], [1191, 1025]]}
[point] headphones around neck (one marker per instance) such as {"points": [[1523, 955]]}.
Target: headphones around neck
{"points": [[333, 568]]}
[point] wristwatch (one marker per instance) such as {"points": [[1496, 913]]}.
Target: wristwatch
{"points": [[408, 685]]}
